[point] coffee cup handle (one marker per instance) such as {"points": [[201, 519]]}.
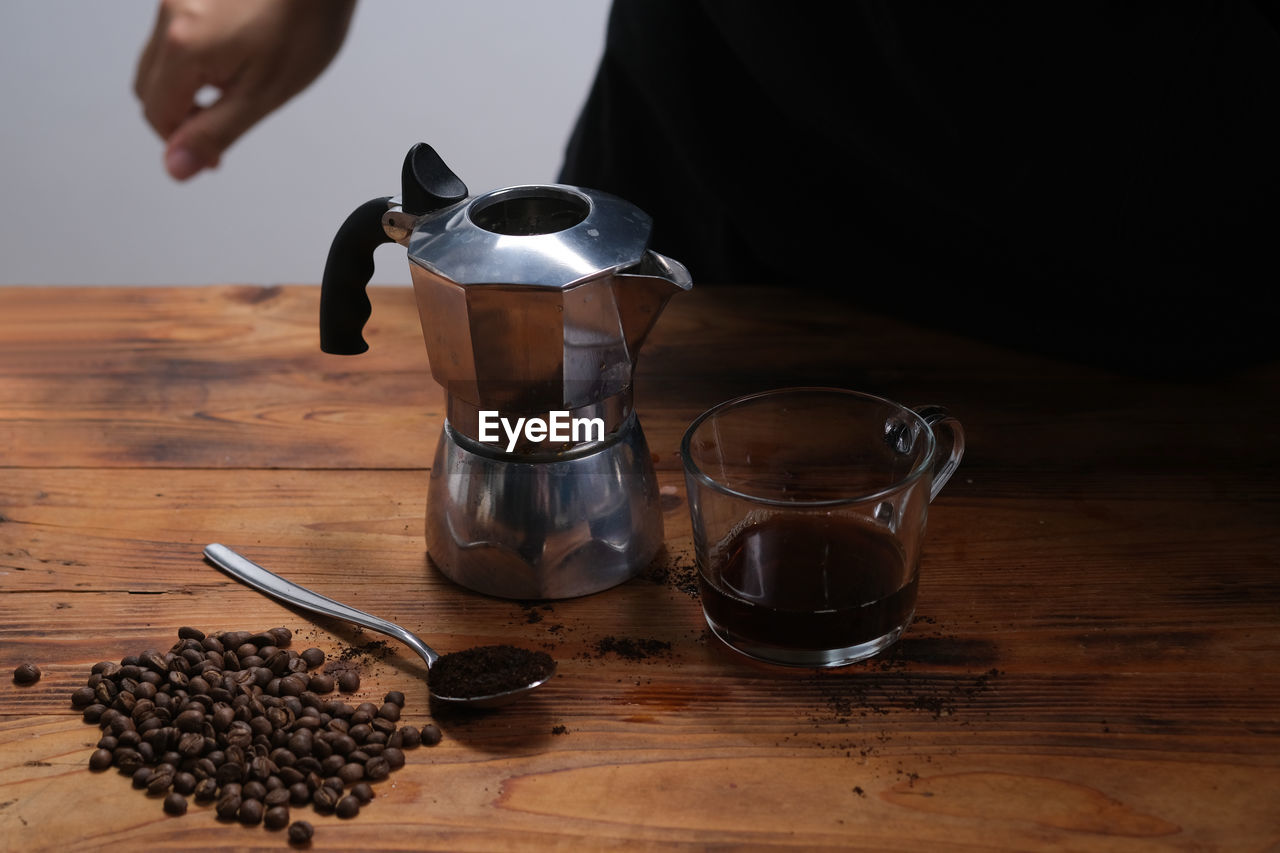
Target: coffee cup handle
{"points": [[949, 435]]}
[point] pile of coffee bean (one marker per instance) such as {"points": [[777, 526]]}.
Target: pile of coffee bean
{"points": [[238, 719]]}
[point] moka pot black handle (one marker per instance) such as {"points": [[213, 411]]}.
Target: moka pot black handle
{"points": [[427, 184]]}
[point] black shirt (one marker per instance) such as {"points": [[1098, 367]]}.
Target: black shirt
{"points": [[1093, 180]]}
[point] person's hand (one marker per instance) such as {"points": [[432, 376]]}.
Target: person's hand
{"points": [[258, 53]]}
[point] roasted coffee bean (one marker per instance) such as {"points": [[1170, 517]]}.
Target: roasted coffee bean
{"points": [[300, 832], [253, 790], [230, 772], [362, 791], [348, 807], [100, 760], [389, 711], [188, 633], [277, 817], [251, 812], [377, 768], [206, 789], [291, 775], [349, 681], [300, 742], [262, 768], [184, 783], [321, 749], [278, 797], [293, 685], [309, 764], [335, 783], [365, 712], [320, 683], [82, 697], [324, 799], [154, 661], [394, 757], [431, 734], [223, 716], [239, 734], [343, 744], [299, 793], [26, 673], [313, 656], [105, 692], [108, 742], [175, 804], [191, 745], [127, 759], [351, 773], [331, 765], [360, 732], [190, 720], [395, 697], [142, 777], [161, 779], [228, 806]]}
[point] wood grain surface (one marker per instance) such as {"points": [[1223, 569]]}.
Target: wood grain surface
{"points": [[1095, 663]]}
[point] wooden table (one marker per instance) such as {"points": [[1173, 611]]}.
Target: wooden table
{"points": [[1095, 663]]}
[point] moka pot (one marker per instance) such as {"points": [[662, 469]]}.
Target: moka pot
{"points": [[534, 302]]}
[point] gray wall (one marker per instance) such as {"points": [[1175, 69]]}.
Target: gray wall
{"points": [[493, 85]]}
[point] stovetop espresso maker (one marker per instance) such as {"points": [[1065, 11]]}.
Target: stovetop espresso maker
{"points": [[534, 302]]}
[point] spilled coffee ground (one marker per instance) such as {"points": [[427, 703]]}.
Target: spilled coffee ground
{"points": [[487, 670], [677, 571], [632, 648]]}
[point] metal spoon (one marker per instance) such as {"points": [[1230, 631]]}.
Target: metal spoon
{"points": [[275, 586]]}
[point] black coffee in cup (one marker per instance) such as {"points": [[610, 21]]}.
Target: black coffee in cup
{"points": [[807, 582]]}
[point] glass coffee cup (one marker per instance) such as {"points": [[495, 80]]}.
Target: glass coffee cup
{"points": [[809, 508]]}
